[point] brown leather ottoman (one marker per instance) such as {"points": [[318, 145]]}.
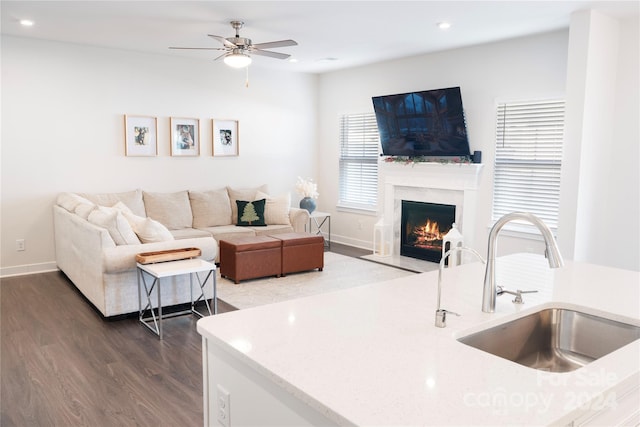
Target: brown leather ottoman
{"points": [[301, 252], [250, 257]]}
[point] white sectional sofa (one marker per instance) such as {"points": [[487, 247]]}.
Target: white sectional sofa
{"points": [[98, 235]]}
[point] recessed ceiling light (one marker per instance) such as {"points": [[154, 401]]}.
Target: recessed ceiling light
{"points": [[444, 25], [293, 60], [26, 22]]}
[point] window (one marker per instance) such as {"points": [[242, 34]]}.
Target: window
{"points": [[528, 159], [359, 154]]}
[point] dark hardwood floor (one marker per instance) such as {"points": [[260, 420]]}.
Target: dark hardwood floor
{"points": [[62, 364]]}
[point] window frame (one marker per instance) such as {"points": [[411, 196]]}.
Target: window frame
{"points": [[358, 159]]}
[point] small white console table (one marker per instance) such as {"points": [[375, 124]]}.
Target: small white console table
{"points": [[161, 270]]}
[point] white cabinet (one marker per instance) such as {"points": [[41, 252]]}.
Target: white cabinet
{"points": [[621, 408], [253, 399]]}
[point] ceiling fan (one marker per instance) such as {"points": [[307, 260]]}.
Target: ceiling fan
{"points": [[237, 50]]}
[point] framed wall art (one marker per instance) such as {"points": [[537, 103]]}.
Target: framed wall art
{"points": [[141, 135], [225, 137], [185, 137]]}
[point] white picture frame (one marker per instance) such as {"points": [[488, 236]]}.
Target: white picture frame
{"points": [[185, 136], [225, 136], [140, 136]]}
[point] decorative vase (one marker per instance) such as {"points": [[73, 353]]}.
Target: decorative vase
{"points": [[308, 203]]}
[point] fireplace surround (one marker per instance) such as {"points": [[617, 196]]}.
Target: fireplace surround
{"points": [[438, 183]]}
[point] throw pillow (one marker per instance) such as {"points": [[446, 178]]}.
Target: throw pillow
{"points": [[123, 209], [147, 229], [115, 223], [151, 231], [251, 213], [83, 210], [276, 211], [242, 194], [173, 210], [210, 208]]}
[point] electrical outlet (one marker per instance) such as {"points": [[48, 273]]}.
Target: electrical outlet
{"points": [[20, 245], [224, 408]]}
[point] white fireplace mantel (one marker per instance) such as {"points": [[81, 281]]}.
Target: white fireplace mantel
{"points": [[447, 183], [451, 176]]}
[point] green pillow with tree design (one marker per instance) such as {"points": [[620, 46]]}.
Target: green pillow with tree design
{"points": [[251, 214]]}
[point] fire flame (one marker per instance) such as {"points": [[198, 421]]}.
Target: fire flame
{"points": [[428, 232]]}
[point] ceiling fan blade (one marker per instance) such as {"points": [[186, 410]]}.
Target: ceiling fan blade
{"points": [[276, 55], [280, 43], [222, 40], [221, 56], [198, 48]]}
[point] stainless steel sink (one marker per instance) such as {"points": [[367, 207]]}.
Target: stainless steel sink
{"points": [[554, 339]]}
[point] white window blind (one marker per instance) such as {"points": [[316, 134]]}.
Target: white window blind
{"points": [[528, 159], [359, 154]]}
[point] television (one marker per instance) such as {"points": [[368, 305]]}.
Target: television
{"points": [[428, 123]]}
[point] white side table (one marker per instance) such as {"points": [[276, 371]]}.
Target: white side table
{"points": [[161, 270], [321, 219]]}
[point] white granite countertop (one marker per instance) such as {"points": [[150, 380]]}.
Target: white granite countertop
{"points": [[371, 355]]}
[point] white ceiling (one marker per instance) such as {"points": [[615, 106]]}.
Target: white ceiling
{"points": [[331, 35]]}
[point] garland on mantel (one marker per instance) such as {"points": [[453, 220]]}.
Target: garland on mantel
{"points": [[406, 160]]}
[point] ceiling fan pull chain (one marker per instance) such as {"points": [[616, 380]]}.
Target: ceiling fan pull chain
{"points": [[246, 82]]}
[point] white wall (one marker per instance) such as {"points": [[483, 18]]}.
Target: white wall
{"points": [[63, 130], [621, 174], [600, 208], [525, 68]]}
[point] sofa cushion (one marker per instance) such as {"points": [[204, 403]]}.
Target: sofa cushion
{"points": [[117, 225], [210, 208], [251, 213], [276, 211], [223, 231], [272, 229], [173, 210], [189, 233], [242, 194], [70, 201], [133, 199]]}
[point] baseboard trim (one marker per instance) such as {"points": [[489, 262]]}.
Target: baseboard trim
{"points": [[356, 243], [23, 270]]}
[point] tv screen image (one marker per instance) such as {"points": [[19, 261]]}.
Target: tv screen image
{"points": [[428, 123]]}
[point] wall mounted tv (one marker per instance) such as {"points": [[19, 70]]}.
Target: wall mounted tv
{"points": [[428, 123]]}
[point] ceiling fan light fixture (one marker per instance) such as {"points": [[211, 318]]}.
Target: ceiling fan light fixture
{"points": [[237, 60]]}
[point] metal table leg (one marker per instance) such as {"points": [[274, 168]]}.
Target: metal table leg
{"points": [[148, 290], [202, 297]]}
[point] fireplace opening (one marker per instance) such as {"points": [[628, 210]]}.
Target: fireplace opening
{"points": [[423, 228]]}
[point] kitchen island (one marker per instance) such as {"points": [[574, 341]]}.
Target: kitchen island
{"points": [[371, 355]]}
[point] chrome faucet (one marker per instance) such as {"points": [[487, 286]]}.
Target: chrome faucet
{"points": [[517, 294], [552, 253], [441, 314]]}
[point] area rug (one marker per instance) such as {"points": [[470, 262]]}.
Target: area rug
{"points": [[340, 272]]}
